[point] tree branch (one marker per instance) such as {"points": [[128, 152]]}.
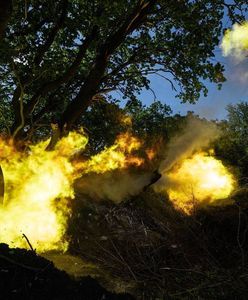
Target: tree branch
{"points": [[45, 47], [92, 82], [115, 71], [17, 102], [67, 76]]}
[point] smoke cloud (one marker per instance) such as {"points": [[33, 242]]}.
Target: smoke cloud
{"points": [[197, 135], [119, 185], [116, 186], [190, 177], [235, 41]]}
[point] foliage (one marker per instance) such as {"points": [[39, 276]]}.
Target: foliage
{"points": [[56, 59], [238, 122], [152, 124], [151, 121], [233, 143]]}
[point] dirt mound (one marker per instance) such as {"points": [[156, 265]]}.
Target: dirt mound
{"points": [[158, 252], [25, 275]]}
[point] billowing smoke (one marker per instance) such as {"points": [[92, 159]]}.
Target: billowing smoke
{"points": [[119, 185], [197, 135], [35, 180], [190, 176], [235, 41], [116, 186]]}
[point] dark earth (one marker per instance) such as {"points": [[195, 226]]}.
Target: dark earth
{"points": [[25, 275]]}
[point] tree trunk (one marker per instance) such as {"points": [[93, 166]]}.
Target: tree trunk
{"points": [[92, 83], [79, 105]]}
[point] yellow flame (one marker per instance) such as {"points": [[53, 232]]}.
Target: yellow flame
{"points": [[33, 182], [39, 184], [199, 180], [235, 41], [151, 153], [118, 156]]}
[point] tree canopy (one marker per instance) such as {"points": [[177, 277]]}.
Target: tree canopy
{"points": [[57, 58], [232, 146]]}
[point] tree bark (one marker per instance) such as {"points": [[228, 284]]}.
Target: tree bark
{"points": [[37, 60], [67, 76], [92, 83], [58, 25]]}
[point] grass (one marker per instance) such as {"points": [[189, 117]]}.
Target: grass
{"points": [[149, 249]]}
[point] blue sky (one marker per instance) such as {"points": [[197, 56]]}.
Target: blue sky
{"points": [[234, 90], [213, 106]]}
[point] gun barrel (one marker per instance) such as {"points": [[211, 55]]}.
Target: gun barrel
{"points": [[155, 177]]}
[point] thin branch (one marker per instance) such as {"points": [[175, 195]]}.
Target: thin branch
{"points": [[67, 76], [44, 48], [93, 81], [27, 240], [21, 89]]}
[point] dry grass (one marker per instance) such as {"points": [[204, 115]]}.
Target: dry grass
{"points": [[158, 253]]}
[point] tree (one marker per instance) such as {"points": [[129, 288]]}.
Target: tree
{"points": [[151, 121], [105, 120], [57, 58], [233, 143], [238, 122]]}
